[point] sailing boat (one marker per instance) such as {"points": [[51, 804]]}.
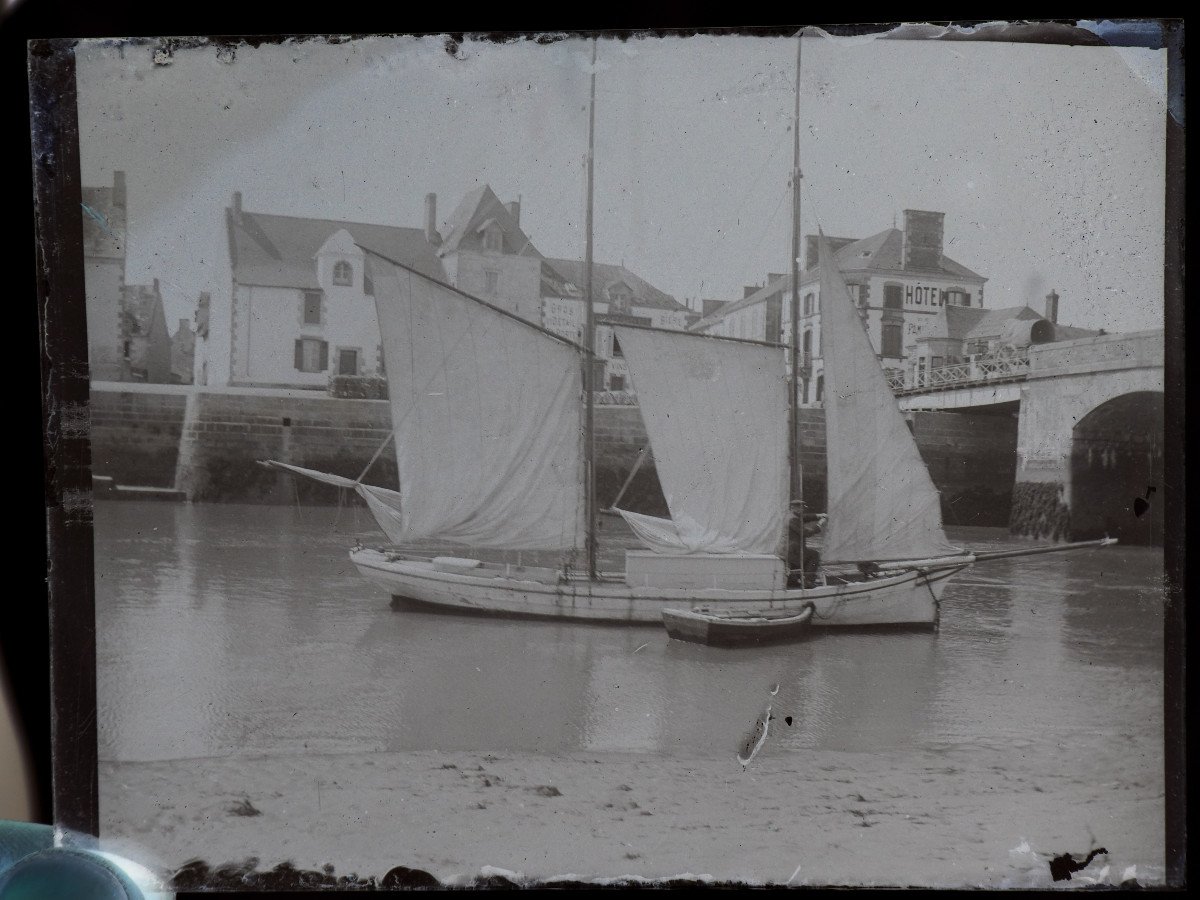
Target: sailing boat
{"points": [[495, 451]]}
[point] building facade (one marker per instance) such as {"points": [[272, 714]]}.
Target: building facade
{"points": [[145, 341], [301, 311], [899, 278], [299, 308], [104, 226], [183, 352]]}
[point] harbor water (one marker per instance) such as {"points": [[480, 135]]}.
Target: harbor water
{"points": [[227, 630]]}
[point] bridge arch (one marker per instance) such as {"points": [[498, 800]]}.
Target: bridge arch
{"points": [[1116, 473], [1100, 395]]}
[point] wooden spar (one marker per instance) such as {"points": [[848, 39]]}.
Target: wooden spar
{"points": [[972, 556], [1030, 551], [589, 354], [637, 464], [795, 479]]}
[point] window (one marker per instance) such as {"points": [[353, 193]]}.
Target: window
{"points": [[347, 362], [892, 337], [620, 297], [127, 349], [312, 355], [493, 238], [368, 285], [616, 382], [616, 351], [955, 297], [893, 296], [491, 282], [808, 304], [820, 387], [312, 307], [343, 273]]}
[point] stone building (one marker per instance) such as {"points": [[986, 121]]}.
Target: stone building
{"points": [[145, 341], [299, 309], [899, 278], [959, 334], [104, 224], [183, 351]]}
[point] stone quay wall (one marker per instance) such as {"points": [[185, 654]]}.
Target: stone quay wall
{"points": [[207, 443]]}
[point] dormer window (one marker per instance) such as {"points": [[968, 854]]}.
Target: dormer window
{"points": [[343, 273], [620, 297]]}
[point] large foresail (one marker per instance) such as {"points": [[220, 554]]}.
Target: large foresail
{"points": [[486, 415], [716, 415], [882, 503]]}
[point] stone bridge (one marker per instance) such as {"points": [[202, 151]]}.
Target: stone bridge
{"points": [[1090, 440]]}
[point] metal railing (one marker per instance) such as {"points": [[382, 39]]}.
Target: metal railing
{"points": [[978, 369]]}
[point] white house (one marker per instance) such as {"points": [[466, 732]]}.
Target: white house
{"points": [[299, 309]]}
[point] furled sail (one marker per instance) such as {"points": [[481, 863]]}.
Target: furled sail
{"points": [[487, 420], [882, 503], [716, 414]]}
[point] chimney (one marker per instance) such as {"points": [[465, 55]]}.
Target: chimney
{"points": [[1052, 306], [922, 239], [118, 190], [748, 290], [155, 287], [431, 232], [773, 277], [514, 210], [237, 206], [810, 251]]}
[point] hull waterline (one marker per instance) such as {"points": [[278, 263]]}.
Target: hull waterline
{"points": [[909, 598]]}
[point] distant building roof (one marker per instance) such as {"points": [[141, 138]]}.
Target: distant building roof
{"points": [[781, 285], [478, 209], [143, 305], [570, 272], [885, 251], [972, 323], [278, 251]]}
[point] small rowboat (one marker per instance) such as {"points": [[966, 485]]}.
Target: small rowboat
{"points": [[736, 628]]}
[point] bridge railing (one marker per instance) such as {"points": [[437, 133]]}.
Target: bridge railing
{"points": [[976, 370]]}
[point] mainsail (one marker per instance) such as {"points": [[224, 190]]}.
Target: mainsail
{"points": [[716, 414], [486, 415], [882, 503]]}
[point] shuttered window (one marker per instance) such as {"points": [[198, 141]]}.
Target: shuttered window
{"points": [[312, 355], [893, 297]]}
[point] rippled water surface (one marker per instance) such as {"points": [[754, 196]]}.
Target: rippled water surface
{"points": [[226, 630]]}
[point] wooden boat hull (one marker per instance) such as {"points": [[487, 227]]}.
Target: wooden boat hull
{"points": [[733, 629], [906, 598]]}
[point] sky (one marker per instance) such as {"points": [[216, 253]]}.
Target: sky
{"points": [[1048, 161]]}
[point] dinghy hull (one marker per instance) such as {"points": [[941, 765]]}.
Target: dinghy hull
{"points": [[908, 598], [735, 628]]}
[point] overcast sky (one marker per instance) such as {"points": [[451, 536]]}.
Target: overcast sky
{"points": [[1047, 161]]}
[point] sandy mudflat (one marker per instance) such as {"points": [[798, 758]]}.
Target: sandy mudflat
{"points": [[930, 818]]}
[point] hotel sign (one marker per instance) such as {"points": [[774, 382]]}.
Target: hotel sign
{"points": [[920, 295]]}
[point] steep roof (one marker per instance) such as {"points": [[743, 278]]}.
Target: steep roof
{"points": [[885, 250], [277, 251], [143, 303], [103, 224], [761, 295], [604, 274], [478, 209]]}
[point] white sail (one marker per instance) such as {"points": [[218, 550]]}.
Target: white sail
{"points": [[716, 414], [882, 503], [487, 420]]}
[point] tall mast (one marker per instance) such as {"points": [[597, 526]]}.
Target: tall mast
{"points": [[589, 356], [796, 482]]}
